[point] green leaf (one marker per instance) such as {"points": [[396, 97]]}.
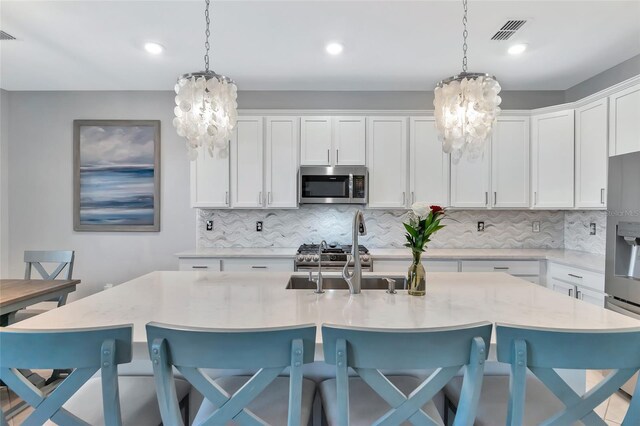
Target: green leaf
{"points": [[412, 231]]}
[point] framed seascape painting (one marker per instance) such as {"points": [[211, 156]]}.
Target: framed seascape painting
{"points": [[116, 175]]}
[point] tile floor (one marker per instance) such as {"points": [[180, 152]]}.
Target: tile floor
{"points": [[612, 410]]}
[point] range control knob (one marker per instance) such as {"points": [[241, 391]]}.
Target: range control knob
{"points": [[315, 258], [308, 258], [364, 258], [300, 258]]}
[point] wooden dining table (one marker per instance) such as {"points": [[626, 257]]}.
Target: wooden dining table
{"points": [[18, 294]]}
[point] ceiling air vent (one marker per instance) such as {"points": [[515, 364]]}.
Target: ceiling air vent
{"points": [[508, 29], [6, 36]]}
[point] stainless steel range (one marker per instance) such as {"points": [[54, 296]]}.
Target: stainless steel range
{"points": [[334, 257]]}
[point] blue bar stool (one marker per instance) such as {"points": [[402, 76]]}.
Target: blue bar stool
{"points": [[266, 396], [549, 399], [80, 399], [373, 398]]}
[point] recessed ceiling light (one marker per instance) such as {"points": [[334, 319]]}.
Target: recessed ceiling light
{"points": [[153, 48], [517, 49], [334, 48]]}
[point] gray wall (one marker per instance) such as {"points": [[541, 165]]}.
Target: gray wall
{"points": [[623, 71], [380, 100], [41, 173], [4, 182]]}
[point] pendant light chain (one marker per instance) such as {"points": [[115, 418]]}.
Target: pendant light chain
{"points": [[465, 33], [207, 33]]}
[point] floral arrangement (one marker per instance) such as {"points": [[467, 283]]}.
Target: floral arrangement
{"points": [[424, 221]]}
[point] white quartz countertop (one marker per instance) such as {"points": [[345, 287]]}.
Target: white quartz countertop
{"points": [[249, 300], [589, 261]]}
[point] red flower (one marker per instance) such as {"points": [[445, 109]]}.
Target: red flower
{"points": [[436, 209]]}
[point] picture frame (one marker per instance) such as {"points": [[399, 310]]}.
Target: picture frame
{"points": [[116, 175]]}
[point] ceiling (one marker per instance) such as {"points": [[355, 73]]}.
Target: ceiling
{"points": [[279, 45]]}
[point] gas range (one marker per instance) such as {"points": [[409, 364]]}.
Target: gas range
{"points": [[334, 257]]}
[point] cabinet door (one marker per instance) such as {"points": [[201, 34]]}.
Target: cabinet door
{"points": [[387, 161], [315, 141], [349, 141], [510, 163], [246, 163], [564, 288], [552, 160], [470, 181], [282, 162], [428, 164], [209, 181], [590, 296], [592, 154], [624, 125]]}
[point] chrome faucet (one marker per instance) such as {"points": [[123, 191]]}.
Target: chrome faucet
{"points": [[354, 279], [318, 280]]}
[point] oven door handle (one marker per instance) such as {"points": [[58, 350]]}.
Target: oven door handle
{"points": [[351, 188], [619, 309]]}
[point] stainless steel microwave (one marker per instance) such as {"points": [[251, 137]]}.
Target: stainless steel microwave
{"points": [[333, 185]]}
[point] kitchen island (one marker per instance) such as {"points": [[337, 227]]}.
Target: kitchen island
{"points": [[252, 300]]}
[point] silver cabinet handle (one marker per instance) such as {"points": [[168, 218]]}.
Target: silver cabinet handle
{"points": [[602, 196], [260, 197], [258, 267], [404, 198], [575, 276], [495, 198], [337, 156], [501, 268], [269, 197], [329, 156], [570, 292], [579, 295], [413, 197], [199, 267], [226, 197], [535, 198], [486, 198]]}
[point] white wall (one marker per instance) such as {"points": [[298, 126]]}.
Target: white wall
{"points": [[4, 183], [41, 190]]}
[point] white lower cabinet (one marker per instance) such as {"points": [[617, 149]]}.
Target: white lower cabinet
{"points": [[402, 265], [257, 265], [528, 270], [205, 264], [577, 283]]}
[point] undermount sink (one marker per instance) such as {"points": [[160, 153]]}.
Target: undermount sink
{"points": [[338, 283]]}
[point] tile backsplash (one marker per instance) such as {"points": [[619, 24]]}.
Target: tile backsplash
{"points": [[290, 228], [577, 231]]}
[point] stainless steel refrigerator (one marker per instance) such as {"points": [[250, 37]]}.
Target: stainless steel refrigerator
{"points": [[622, 275]]}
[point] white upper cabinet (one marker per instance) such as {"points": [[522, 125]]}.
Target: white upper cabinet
{"points": [[552, 160], [246, 163], [209, 181], [349, 142], [315, 141], [281, 155], [428, 164], [591, 154], [624, 121], [470, 181], [387, 161], [510, 163]]}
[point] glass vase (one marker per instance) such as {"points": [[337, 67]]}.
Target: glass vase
{"points": [[416, 277]]}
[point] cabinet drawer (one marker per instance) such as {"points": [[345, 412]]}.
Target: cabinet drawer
{"points": [[199, 264], [257, 265], [513, 267], [576, 276], [403, 265]]}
